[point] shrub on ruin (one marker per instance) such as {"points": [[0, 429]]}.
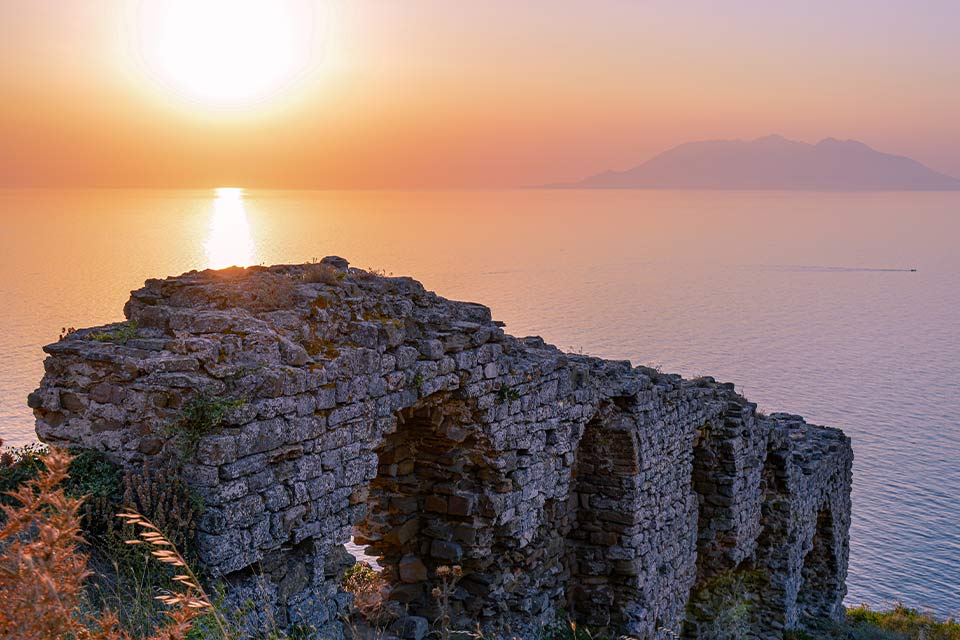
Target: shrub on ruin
{"points": [[322, 273], [371, 273]]}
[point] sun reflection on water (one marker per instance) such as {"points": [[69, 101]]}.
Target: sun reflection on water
{"points": [[229, 242]]}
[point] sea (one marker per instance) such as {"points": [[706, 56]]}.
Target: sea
{"points": [[843, 307]]}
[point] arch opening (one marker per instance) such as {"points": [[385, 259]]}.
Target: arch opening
{"points": [[819, 585], [423, 509], [602, 561]]}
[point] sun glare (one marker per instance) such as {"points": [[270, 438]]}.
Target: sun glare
{"points": [[229, 242], [226, 52]]}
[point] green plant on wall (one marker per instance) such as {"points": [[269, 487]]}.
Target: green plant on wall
{"points": [[507, 393], [121, 333], [200, 416]]}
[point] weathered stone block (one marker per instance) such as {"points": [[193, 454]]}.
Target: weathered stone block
{"points": [[412, 569], [448, 551]]}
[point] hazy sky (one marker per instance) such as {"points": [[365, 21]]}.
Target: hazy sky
{"points": [[438, 93]]}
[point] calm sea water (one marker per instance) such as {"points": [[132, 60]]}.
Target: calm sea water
{"points": [[803, 299]]}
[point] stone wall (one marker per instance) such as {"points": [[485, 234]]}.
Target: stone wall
{"points": [[367, 406]]}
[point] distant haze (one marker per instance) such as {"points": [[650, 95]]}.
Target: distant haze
{"points": [[434, 94], [773, 162]]}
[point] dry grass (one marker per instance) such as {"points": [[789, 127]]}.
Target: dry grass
{"points": [[906, 622], [192, 597], [322, 273], [42, 567], [372, 273], [443, 594], [367, 587]]}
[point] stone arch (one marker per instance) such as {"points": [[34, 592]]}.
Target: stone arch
{"points": [[817, 599], [773, 561], [285, 477], [728, 456], [423, 506], [734, 480], [601, 557]]}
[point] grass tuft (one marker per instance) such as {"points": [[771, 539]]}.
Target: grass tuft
{"points": [[322, 273]]}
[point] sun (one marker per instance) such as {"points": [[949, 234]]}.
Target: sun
{"points": [[226, 52]]}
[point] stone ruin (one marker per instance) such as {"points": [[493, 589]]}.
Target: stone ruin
{"points": [[368, 407]]}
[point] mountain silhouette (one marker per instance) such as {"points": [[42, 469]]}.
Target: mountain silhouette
{"points": [[773, 162]]}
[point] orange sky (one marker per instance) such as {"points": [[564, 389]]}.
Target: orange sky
{"points": [[441, 94]]}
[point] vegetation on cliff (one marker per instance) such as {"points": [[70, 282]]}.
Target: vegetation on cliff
{"points": [[898, 623]]}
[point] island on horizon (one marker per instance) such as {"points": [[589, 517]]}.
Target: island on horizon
{"points": [[773, 163]]}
